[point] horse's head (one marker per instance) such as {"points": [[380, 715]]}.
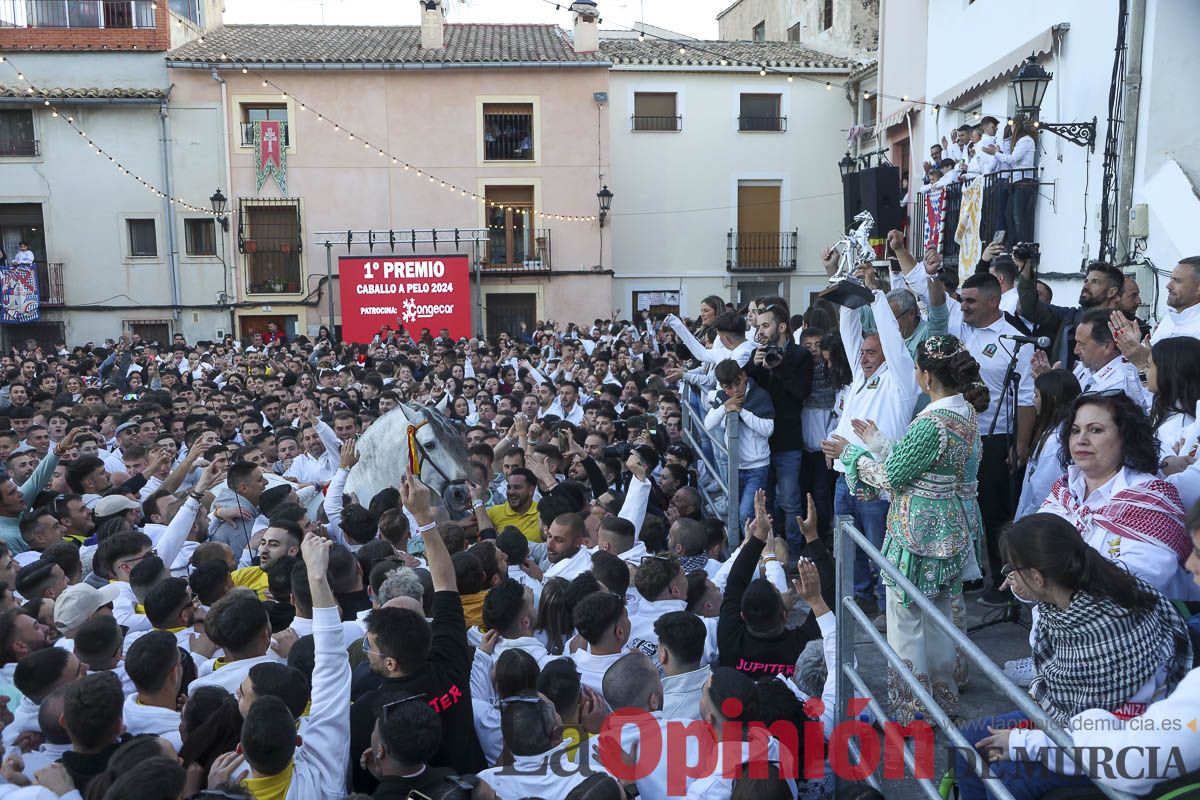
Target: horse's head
{"points": [[441, 456]]}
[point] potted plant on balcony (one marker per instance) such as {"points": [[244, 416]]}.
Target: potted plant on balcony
{"points": [[249, 246]]}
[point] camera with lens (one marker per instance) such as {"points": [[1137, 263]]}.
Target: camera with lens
{"points": [[1027, 250], [772, 355]]}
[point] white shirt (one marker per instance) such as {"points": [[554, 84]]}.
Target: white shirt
{"points": [[229, 676], [1149, 560], [1177, 323], [592, 667], [1021, 157], [162, 722], [352, 631], [533, 776], [1043, 469], [993, 355], [1010, 303], [1116, 374], [889, 395], [568, 568]]}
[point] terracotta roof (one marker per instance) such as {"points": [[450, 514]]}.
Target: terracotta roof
{"points": [[367, 44], [85, 93], [709, 53]]}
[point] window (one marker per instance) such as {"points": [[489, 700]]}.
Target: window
{"points": [[200, 237], [189, 10], [508, 131], [760, 112], [655, 111], [143, 241], [511, 240], [759, 34], [16, 133], [269, 238], [870, 108], [794, 33], [263, 113], [827, 15], [149, 330]]}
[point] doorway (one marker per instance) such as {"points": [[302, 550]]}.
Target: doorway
{"points": [[248, 326], [506, 312]]}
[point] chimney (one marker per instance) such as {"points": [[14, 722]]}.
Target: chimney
{"points": [[587, 28], [433, 25]]}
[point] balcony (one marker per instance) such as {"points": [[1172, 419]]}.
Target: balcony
{"points": [[771, 124], [248, 134], [997, 191], [15, 147], [761, 252], [86, 14], [515, 252], [643, 123], [50, 283]]}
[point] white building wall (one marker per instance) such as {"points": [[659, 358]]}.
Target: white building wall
{"points": [[966, 38], [676, 193], [86, 200]]}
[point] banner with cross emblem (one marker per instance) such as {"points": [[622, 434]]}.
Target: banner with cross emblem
{"points": [[270, 154]]}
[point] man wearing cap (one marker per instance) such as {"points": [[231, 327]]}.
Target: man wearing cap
{"points": [[15, 501], [79, 603], [115, 504], [124, 435]]}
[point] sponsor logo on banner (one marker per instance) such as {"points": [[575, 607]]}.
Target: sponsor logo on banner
{"points": [[414, 292]]}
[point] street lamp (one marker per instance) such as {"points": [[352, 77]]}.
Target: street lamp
{"points": [[846, 165], [605, 197], [1029, 88], [219, 201]]}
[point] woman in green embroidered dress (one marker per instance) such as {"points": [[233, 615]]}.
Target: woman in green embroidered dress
{"points": [[933, 523]]}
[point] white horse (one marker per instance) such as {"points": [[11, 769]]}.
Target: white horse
{"points": [[441, 455]]}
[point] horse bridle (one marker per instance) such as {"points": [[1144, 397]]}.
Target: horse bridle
{"points": [[417, 454]]}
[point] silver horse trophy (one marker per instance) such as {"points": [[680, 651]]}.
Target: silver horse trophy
{"points": [[853, 249]]}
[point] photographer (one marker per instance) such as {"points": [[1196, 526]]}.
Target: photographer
{"points": [[1102, 287], [785, 370]]}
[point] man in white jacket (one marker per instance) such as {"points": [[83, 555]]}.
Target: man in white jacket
{"points": [[153, 664], [315, 765]]}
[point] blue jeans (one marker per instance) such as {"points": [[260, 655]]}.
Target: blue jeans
{"points": [[816, 478], [749, 482], [784, 498], [870, 517], [1027, 780]]}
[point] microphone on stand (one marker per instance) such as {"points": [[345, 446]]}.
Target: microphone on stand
{"points": [[1042, 342]]}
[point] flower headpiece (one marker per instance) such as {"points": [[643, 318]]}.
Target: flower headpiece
{"points": [[944, 346]]}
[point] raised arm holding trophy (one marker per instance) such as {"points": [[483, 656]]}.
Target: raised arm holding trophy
{"points": [[853, 250]]}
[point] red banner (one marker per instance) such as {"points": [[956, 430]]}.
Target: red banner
{"points": [[413, 292], [270, 149]]}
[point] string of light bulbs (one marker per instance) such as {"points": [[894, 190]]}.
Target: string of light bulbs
{"points": [[396, 161], [684, 44], [34, 92]]}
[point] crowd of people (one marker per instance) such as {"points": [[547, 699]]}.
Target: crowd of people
{"points": [[197, 598]]}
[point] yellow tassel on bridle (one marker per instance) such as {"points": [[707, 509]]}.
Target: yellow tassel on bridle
{"points": [[414, 450]]}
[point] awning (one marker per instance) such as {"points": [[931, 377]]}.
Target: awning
{"points": [[896, 118], [1039, 45]]}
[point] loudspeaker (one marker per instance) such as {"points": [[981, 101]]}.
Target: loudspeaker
{"points": [[879, 193], [851, 198]]}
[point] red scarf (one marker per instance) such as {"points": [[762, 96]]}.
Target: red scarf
{"points": [[1150, 512]]}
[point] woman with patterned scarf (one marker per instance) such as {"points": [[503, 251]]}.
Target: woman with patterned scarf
{"points": [[933, 522], [1113, 496], [1105, 639]]}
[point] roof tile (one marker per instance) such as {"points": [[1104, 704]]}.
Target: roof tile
{"points": [[709, 53], [369, 44]]}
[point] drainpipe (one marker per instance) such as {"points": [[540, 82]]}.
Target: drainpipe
{"points": [[168, 176], [231, 271], [1131, 103]]}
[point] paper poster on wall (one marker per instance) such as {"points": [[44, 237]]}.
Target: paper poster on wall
{"points": [[413, 292]]}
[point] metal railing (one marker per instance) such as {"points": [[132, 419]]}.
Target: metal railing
{"points": [[851, 618], [50, 283], [727, 488], [18, 147], [777, 124], [758, 252], [113, 14], [508, 137], [645, 123], [511, 250], [993, 215], [248, 133]]}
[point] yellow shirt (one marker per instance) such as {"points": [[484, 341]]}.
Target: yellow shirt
{"points": [[528, 523], [272, 787], [251, 578]]}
